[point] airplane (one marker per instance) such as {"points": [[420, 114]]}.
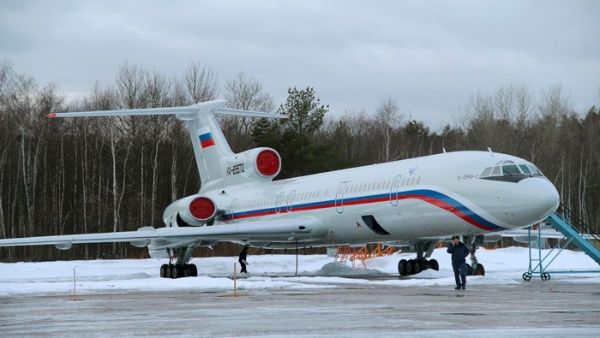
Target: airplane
{"points": [[411, 203]]}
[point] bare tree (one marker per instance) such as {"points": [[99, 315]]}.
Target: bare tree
{"points": [[201, 83], [387, 118]]}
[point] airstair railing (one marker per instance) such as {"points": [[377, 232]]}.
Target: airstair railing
{"points": [[577, 224]]}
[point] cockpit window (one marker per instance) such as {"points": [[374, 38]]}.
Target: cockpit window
{"points": [[496, 171], [535, 170], [510, 170], [525, 169], [486, 172]]}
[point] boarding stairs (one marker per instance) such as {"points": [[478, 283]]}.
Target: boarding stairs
{"points": [[575, 232]]}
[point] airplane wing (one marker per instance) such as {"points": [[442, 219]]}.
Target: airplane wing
{"points": [[270, 230]]}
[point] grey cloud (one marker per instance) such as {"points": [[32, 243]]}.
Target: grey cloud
{"points": [[430, 56]]}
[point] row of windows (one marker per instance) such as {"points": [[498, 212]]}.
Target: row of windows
{"points": [[350, 190]]}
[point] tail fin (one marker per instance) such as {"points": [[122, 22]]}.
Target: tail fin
{"points": [[211, 149]]}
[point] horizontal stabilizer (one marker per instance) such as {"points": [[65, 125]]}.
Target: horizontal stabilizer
{"points": [[215, 107]]}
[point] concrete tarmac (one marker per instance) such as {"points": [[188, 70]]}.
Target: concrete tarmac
{"points": [[549, 309]]}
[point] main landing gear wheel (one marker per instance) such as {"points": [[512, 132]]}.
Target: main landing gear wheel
{"points": [[526, 276], [190, 270], [166, 270], [414, 266], [479, 270], [402, 268], [178, 271]]}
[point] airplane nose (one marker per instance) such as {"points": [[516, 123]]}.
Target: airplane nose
{"points": [[543, 198]]}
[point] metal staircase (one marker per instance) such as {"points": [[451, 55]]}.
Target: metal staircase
{"points": [[574, 231]]}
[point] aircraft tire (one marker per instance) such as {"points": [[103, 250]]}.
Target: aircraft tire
{"points": [[402, 267], [190, 270], [163, 271], [170, 271], [193, 270], [469, 270], [434, 265], [178, 271], [416, 267], [479, 270]]}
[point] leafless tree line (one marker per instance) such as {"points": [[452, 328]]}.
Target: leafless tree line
{"points": [[97, 175]]}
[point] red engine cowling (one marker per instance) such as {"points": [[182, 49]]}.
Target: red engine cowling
{"points": [[195, 211], [268, 163], [202, 209]]}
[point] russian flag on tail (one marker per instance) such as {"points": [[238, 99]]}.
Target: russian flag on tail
{"points": [[206, 138]]}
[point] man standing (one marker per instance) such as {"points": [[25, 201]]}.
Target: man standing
{"points": [[459, 252], [242, 259]]}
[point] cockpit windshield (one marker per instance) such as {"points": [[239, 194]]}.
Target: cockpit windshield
{"points": [[510, 171]]}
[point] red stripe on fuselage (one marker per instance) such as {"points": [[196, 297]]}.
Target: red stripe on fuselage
{"points": [[433, 201]]}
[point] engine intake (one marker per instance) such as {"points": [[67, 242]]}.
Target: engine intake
{"points": [[268, 163], [203, 209]]}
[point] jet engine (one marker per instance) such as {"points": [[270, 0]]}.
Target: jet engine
{"points": [[192, 211], [258, 164]]}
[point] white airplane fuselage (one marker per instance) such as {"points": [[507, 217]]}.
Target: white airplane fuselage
{"points": [[432, 196]]}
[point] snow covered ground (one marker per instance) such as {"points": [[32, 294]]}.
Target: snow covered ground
{"points": [[503, 267]]}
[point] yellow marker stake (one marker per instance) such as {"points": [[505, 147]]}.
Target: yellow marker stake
{"points": [[234, 279]]}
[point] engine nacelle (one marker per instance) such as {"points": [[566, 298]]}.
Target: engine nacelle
{"points": [[259, 163], [194, 210]]}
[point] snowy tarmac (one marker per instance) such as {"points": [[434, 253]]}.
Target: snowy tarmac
{"points": [[533, 309], [326, 299]]}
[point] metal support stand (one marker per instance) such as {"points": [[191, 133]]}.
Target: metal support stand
{"points": [[542, 262]]}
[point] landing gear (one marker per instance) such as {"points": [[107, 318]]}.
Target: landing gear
{"points": [[414, 266], [181, 268], [475, 268]]}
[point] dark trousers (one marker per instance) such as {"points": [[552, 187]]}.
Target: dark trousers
{"points": [[460, 268], [243, 267]]}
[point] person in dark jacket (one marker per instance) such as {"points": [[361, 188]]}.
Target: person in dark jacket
{"points": [[459, 253], [242, 259]]}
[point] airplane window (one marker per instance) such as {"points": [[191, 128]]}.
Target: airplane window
{"points": [[536, 171], [525, 169], [486, 172], [510, 170], [496, 171]]}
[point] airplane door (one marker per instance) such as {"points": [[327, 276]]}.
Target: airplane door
{"points": [[394, 190], [339, 197], [280, 200], [232, 207], [290, 200]]}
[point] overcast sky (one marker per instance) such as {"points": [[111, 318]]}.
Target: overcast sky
{"points": [[429, 56]]}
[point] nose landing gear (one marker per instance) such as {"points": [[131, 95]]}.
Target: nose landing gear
{"points": [[475, 268]]}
